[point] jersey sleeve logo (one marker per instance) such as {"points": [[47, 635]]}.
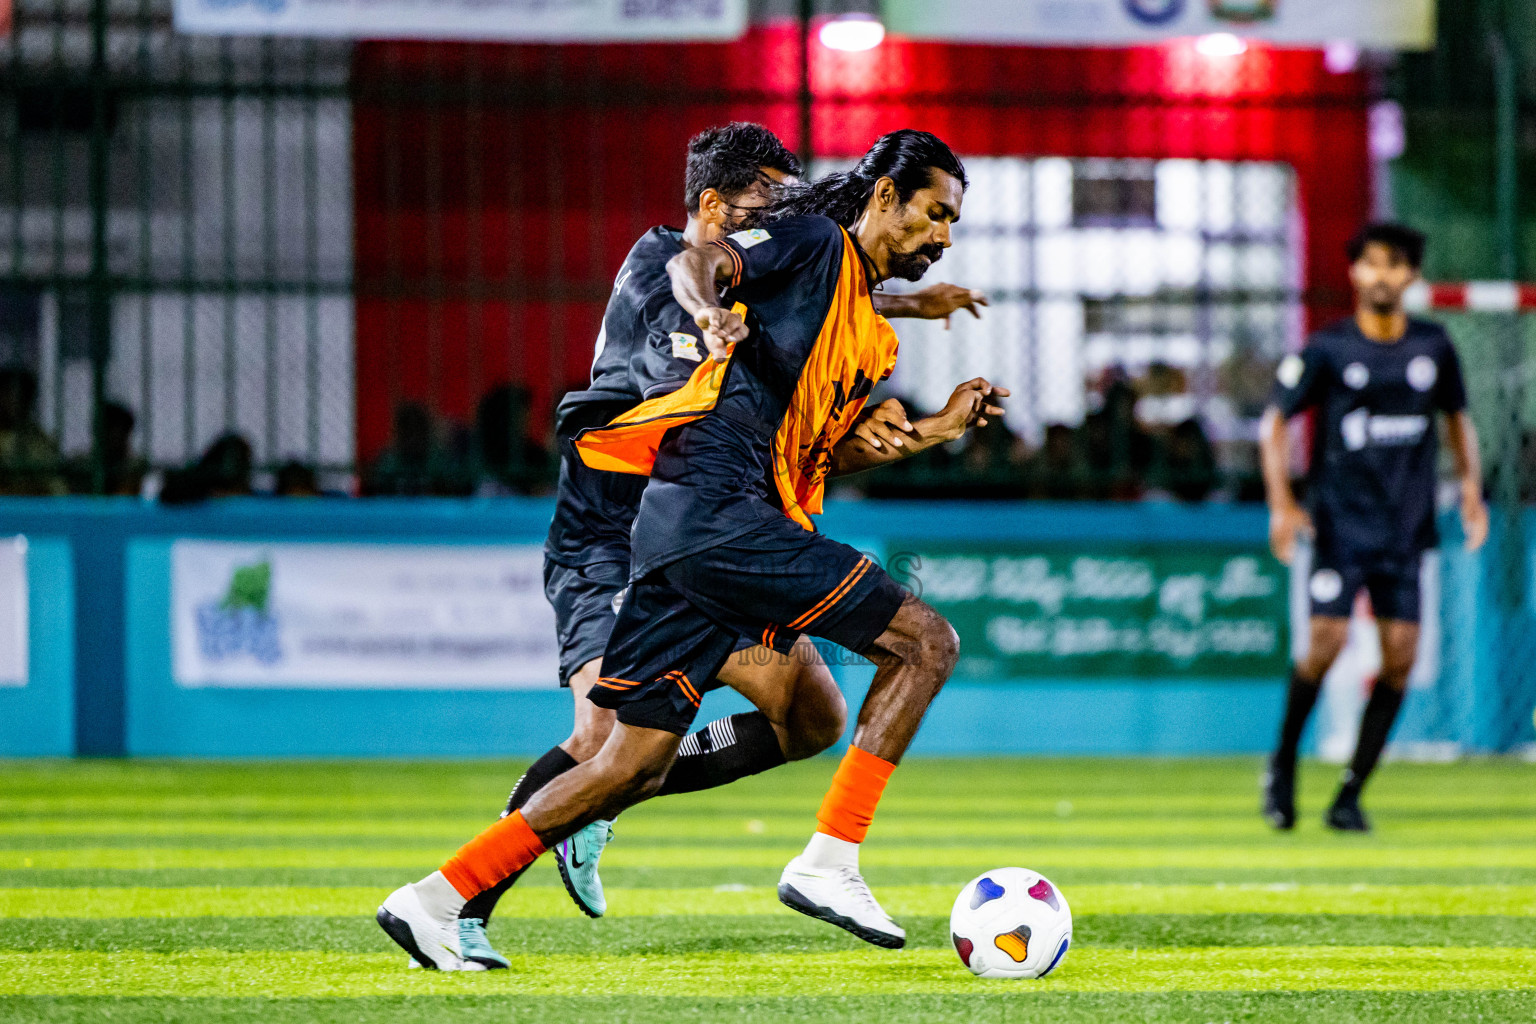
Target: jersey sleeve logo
{"points": [[747, 239], [1289, 372], [685, 346]]}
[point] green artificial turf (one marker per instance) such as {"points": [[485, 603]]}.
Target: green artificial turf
{"points": [[134, 891]]}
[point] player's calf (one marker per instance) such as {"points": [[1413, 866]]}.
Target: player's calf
{"points": [[914, 658]]}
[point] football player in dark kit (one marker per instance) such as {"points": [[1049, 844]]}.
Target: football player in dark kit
{"points": [[647, 347], [724, 546], [1376, 381]]}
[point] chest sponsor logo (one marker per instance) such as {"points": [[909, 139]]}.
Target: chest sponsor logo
{"points": [[1360, 429], [1422, 373], [747, 239], [1356, 375], [1289, 371], [685, 346]]}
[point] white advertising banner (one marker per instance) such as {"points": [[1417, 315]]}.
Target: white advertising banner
{"points": [[1387, 24], [357, 616], [505, 20], [13, 611]]}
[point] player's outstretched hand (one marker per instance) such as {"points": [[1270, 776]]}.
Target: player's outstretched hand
{"points": [[722, 328], [1285, 522], [1474, 519], [969, 406], [939, 301], [884, 425]]}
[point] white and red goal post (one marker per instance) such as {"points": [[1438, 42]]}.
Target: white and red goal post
{"points": [[1471, 297]]}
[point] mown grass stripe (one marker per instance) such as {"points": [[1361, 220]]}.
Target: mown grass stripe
{"points": [[735, 828], [683, 935], [877, 854], [991, 1003], [315, 975], [281, 901]]}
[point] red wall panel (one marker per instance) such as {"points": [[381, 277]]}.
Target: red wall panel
{"points": [[497, 188]]}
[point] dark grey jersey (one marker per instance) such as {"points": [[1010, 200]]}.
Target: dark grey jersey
{"points": [[648, 346], [1375, 444]]}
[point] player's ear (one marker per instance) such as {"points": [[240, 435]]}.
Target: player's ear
{"points": [[711, 207], [885, 194]]}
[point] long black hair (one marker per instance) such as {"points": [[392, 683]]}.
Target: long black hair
{"points": [[729, 159], [908, 157]]}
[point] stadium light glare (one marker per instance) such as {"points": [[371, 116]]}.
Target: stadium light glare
{"points": [[852, 32], [1220, 44]]}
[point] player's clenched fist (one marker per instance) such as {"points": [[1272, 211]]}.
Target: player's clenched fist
{"points": [[722, 328], [1285, 522], [883, 425]]}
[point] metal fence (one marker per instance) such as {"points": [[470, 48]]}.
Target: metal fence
{"points": [[373, 268]]}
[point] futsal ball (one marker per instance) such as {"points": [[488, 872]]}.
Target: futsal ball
{"points": [[1011, 923]]}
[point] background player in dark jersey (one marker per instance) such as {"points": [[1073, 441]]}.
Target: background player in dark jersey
{"points": [[648, 347], [723, 545], [1376, 381]]}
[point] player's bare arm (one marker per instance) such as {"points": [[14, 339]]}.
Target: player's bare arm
{"points": [[885, 434], [1461, 435], [936, 302], [1286, 516], [697, 275]]}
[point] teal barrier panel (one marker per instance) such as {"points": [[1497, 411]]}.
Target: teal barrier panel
{"points": [[37, 690], [1116, 703]]}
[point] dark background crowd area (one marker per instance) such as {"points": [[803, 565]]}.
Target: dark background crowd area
{"points": [[1127, 448]]}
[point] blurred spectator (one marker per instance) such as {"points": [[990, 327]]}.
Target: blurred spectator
{"points": [[224, 471], [122, 472], [992, 464], [415, 465], [29, 459], [507, 459], [1116, 450], [1056, 472], [295, 480], [1188, 462]]}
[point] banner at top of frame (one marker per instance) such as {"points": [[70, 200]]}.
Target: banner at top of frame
{"points": [[1384, 24], [490, 20]]}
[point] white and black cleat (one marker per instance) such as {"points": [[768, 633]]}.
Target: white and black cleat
{"points": [[839, 895], [432, 943]]}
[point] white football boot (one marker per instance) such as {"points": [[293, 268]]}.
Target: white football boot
{"points": [[423, 919], [824, 883]]}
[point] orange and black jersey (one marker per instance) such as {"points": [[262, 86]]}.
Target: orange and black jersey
{"points": [[752, 440]]}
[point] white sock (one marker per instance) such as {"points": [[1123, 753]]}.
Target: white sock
{"points": [[824, 851], [438, 896]]}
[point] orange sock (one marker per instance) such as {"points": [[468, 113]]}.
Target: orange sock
{"points": [[849, 805], [507, 846]]}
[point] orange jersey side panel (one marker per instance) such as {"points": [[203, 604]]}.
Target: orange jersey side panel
{"points": [[855, 350]]}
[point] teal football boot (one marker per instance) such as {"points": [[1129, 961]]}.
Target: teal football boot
{"points": [[577, 859], [475, 946]]}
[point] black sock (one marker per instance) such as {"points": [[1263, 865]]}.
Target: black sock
{"points": [[1299, 701], [539, 774], [1380, 712], [725, 750]]}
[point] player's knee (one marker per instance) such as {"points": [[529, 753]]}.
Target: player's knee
{"points": [[1395, 668], [588, 737], [941, 645]]}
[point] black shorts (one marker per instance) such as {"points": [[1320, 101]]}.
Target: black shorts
{"points": [[677, 626], [586, 603], [1338, 574], [586, 606]]}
